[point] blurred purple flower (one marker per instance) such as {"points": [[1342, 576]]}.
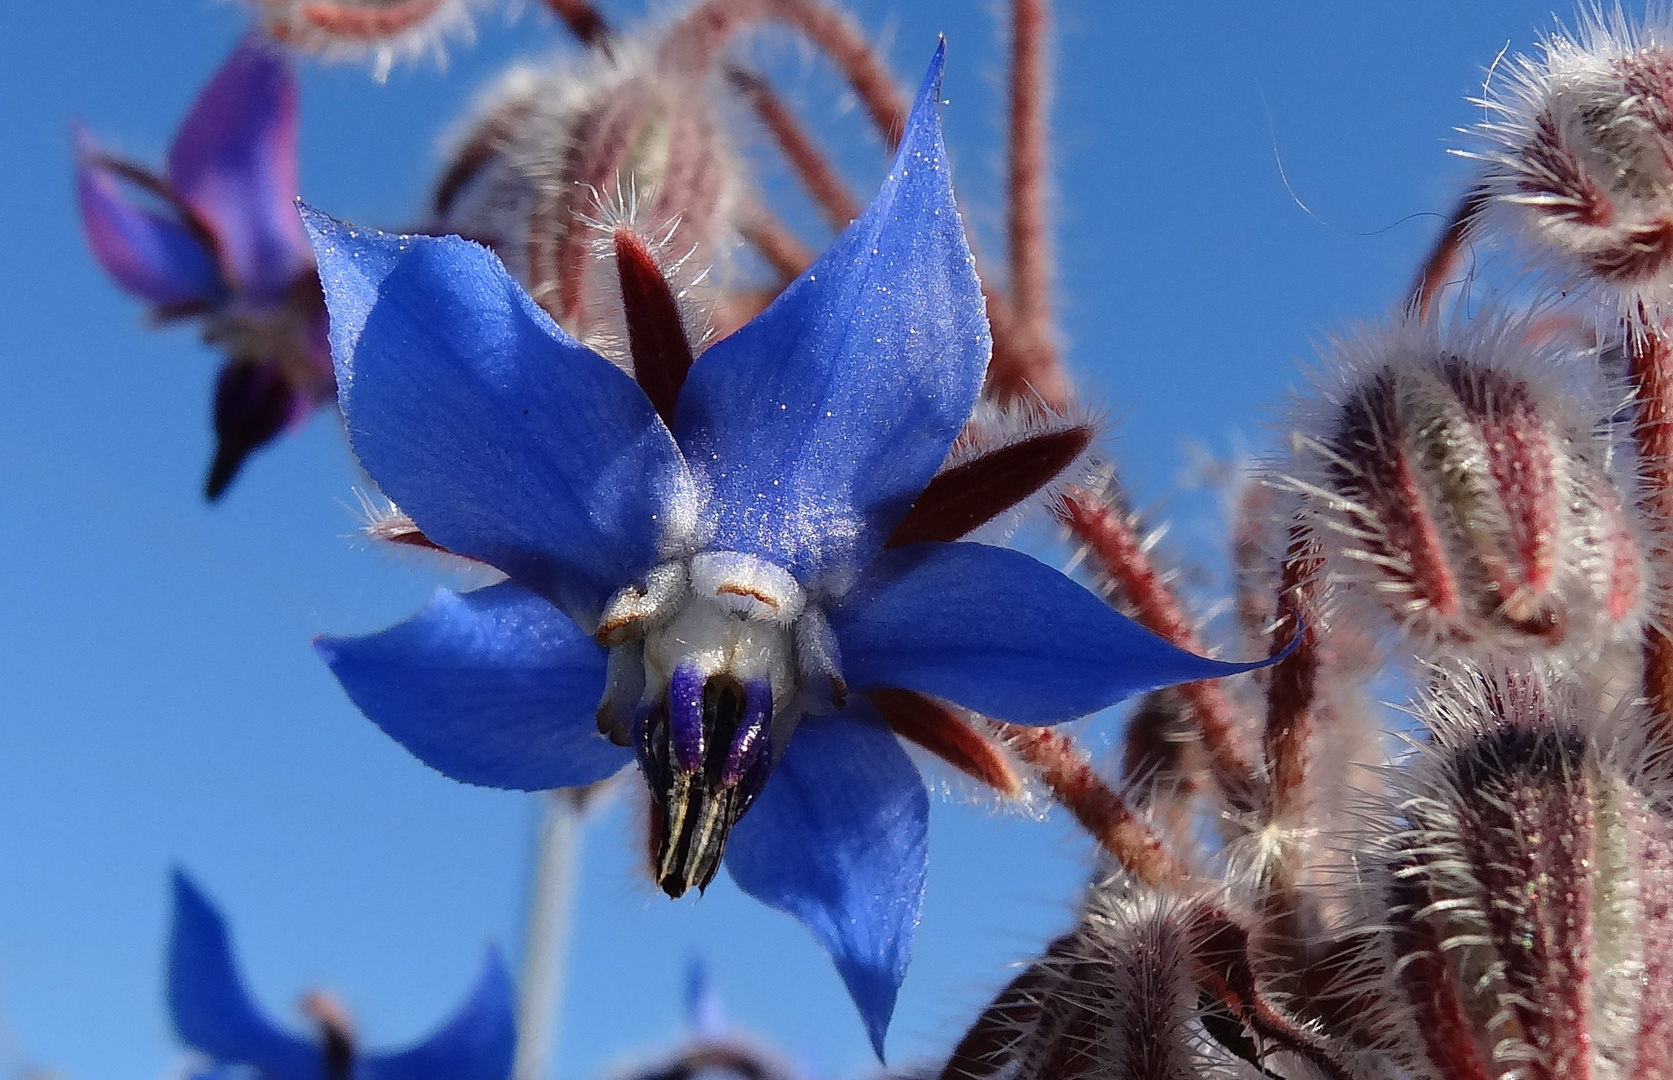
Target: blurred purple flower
{"points": [[217, 239], [702, 568], [215, 1015]]}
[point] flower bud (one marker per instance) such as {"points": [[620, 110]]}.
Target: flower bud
{"points": [[1120, 996], [1577, 151], [558, 160], [1531, 914], [1458, 481], [353, 29]]}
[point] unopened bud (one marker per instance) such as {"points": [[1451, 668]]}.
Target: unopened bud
{"points": [[1577, 150], [557, 161], [1458, 480], [381, 30], [1118, 996], [1530, 916]]}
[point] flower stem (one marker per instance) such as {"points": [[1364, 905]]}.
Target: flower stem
{"points": [[1290, 691], [1116, 550], [1029, 368], [805, 157], [1076, 785], [694, 40], [546, 935], [1443, 257], [1650, 367]]}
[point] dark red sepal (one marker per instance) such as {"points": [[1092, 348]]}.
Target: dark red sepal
{"points": [[968, 496], [655, 334]]}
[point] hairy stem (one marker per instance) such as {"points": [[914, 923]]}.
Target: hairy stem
{"points": [[1117, 552], [1290, 691], [1443, 257], [806, 159], [1029, 368], [1650, 367], [1076, 785], [782, 249], [698, 36]]}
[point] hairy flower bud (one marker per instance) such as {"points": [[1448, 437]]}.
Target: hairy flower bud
{"points": [[1531, 913], [1458, 479], [556, 160], [1578, 153], [354, 29], [1121, 995]]}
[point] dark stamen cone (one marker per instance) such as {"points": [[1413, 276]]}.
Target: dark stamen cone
{"points": [[253, 403]]}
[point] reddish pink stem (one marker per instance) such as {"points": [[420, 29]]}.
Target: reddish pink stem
{"points": [[1029, 367], [1651, 370], [693, 42], [1443, 258], [809, 163], [1076, 785], [1116, 551], [1290, 691], [584, 21]]}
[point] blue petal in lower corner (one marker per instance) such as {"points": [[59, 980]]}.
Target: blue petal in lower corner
{"points": [[478, 1043], [494, 687], [838, 839], [212, 1010]]}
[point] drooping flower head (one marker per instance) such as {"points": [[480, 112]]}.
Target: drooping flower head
{"points": [[703, 555], [215, 1015], [1529, 915], [1458, 475], [1578, 157], [216, 239]]}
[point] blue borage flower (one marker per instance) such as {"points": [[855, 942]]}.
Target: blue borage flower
{"points": [[215, 1015], [703, 565], [216, 239]]}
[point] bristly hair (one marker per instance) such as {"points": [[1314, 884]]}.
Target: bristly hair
{"points": [[381, 31], [1574, 152], [1520, 858], [1466, 479]]}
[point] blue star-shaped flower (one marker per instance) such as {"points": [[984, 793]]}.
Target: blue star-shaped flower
{"points": [[217, 239], [215, 1015], [703, 566]]}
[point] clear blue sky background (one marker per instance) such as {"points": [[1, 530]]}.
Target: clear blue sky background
{"points": [[159, 702]]}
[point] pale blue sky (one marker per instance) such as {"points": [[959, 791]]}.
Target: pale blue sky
{"points": [[159, 701]]}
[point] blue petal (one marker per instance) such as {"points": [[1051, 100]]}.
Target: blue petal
{"points": [[838, 839], [505, 439], [478, 1043], [818, 423], [494, 687], [145, 244], [993, 630], [234, 162], [212, 1011]]}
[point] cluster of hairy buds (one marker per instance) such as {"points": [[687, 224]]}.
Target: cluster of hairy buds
{"points": [[1578, 157], [1459, 480], [1530, 914], [557, 160]]}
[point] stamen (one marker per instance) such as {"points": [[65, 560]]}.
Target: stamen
{"points": [[655, 334]]}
